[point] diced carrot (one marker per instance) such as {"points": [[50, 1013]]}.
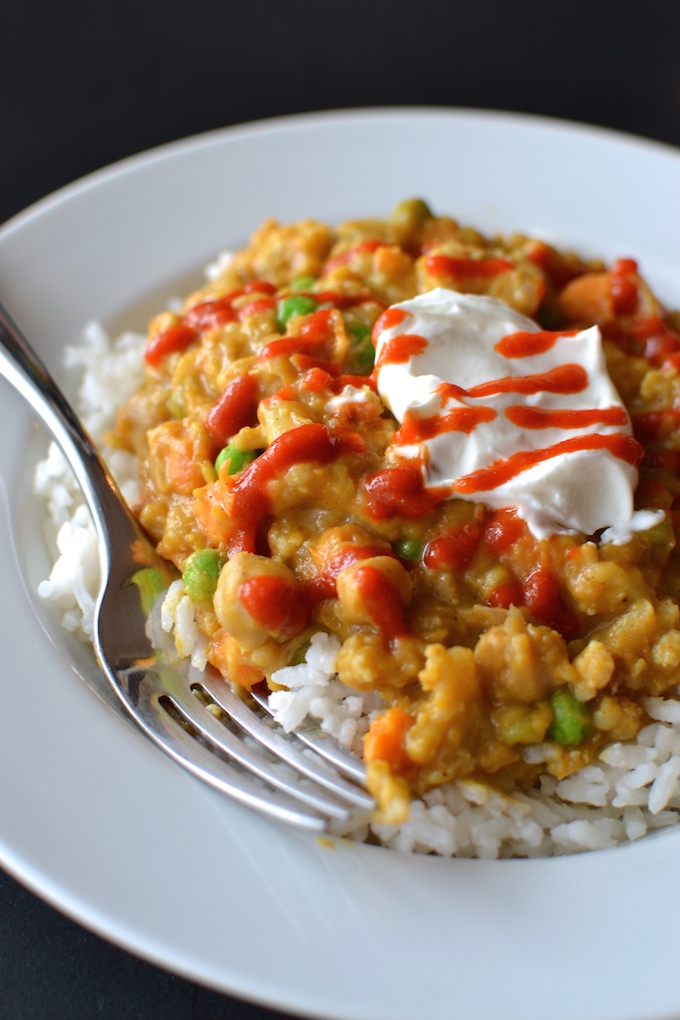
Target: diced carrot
{"points": [[386, 740], [179, 455], [224, 654]]}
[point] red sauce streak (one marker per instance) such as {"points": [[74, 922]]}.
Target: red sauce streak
{"points": [[173, 340], [264, 304], [249, 498], [524, 345], [323, 586], [455, 549], [555, 267], [400, 492], [389, 318], [357, 381], [319, 326], [509, 593], [449, 391], [382, 602], [503, 531], [563, 379], [211, 314], [259, 287], [542, 418], [460, 419], [278, 606], [621, 446], [543, 597], [464, 270], [332, 297], [399, 349], [314, 333], [657, 341], [306, 362], [236, 408], [653, 425], [623, 286], [346, 256], [316, 380]]}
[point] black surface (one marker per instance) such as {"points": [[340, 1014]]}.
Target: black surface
{"points": [[85, 83]]}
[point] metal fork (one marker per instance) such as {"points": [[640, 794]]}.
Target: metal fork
{"points": [[195, 717]]}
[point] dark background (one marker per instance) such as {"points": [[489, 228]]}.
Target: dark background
{"points": [[89, 82]]}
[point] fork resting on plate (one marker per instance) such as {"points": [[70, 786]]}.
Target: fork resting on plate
{"points": [[304, 779]]}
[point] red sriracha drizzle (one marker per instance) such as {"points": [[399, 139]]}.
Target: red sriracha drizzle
{"points": [[543, 597], [504, 529], [173, 340], [400, 492], [315, 333], [249, 498], [382, 601], [206, 316], [455, 549], [236, 408], [463, 270], [524, 345], [323, 586], [623, 286], [346, 256], [280, 607], [622, 446]]}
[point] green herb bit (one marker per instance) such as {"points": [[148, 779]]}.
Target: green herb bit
{"points": [[522, 724], [572, 720], [151, 583], [298, 304], [200, 573], [237, 459], [303, 283], [301, 653], [362, 346], [409, 549]]}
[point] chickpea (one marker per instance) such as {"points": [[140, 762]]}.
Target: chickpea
{"points": [[258, 599], [352, 593]]}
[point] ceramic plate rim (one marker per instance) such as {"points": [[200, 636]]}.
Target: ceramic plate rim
{"points": [[379, 892]]}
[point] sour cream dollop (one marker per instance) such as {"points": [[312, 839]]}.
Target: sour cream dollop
{"points": [[500, 412]]}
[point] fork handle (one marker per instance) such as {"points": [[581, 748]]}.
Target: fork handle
{"points": [[23, 368]]}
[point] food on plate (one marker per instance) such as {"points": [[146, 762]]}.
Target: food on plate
{"points": [[423, 483]]}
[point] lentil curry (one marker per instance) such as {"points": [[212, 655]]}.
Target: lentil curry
{"points": [[270, 479]]}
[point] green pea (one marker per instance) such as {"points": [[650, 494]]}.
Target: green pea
{"points": [[572, 720], [237, 459], [200, 573], [409, 549], [288, 307], [359, 333], [303, 283], [362, 347], [410, 214], [301, 654], [151, 584]]}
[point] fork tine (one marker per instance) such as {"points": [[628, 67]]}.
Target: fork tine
{"points": [[211, 729], [286, 749], [311, 735], [167, 733]]}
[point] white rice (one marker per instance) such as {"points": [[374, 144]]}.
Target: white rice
{"points": [[632, 790]]}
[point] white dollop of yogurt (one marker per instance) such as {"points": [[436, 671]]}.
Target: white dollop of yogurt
{"points": [[444, 337]]}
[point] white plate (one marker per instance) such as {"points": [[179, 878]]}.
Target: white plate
{"points": [[101, 824]]}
